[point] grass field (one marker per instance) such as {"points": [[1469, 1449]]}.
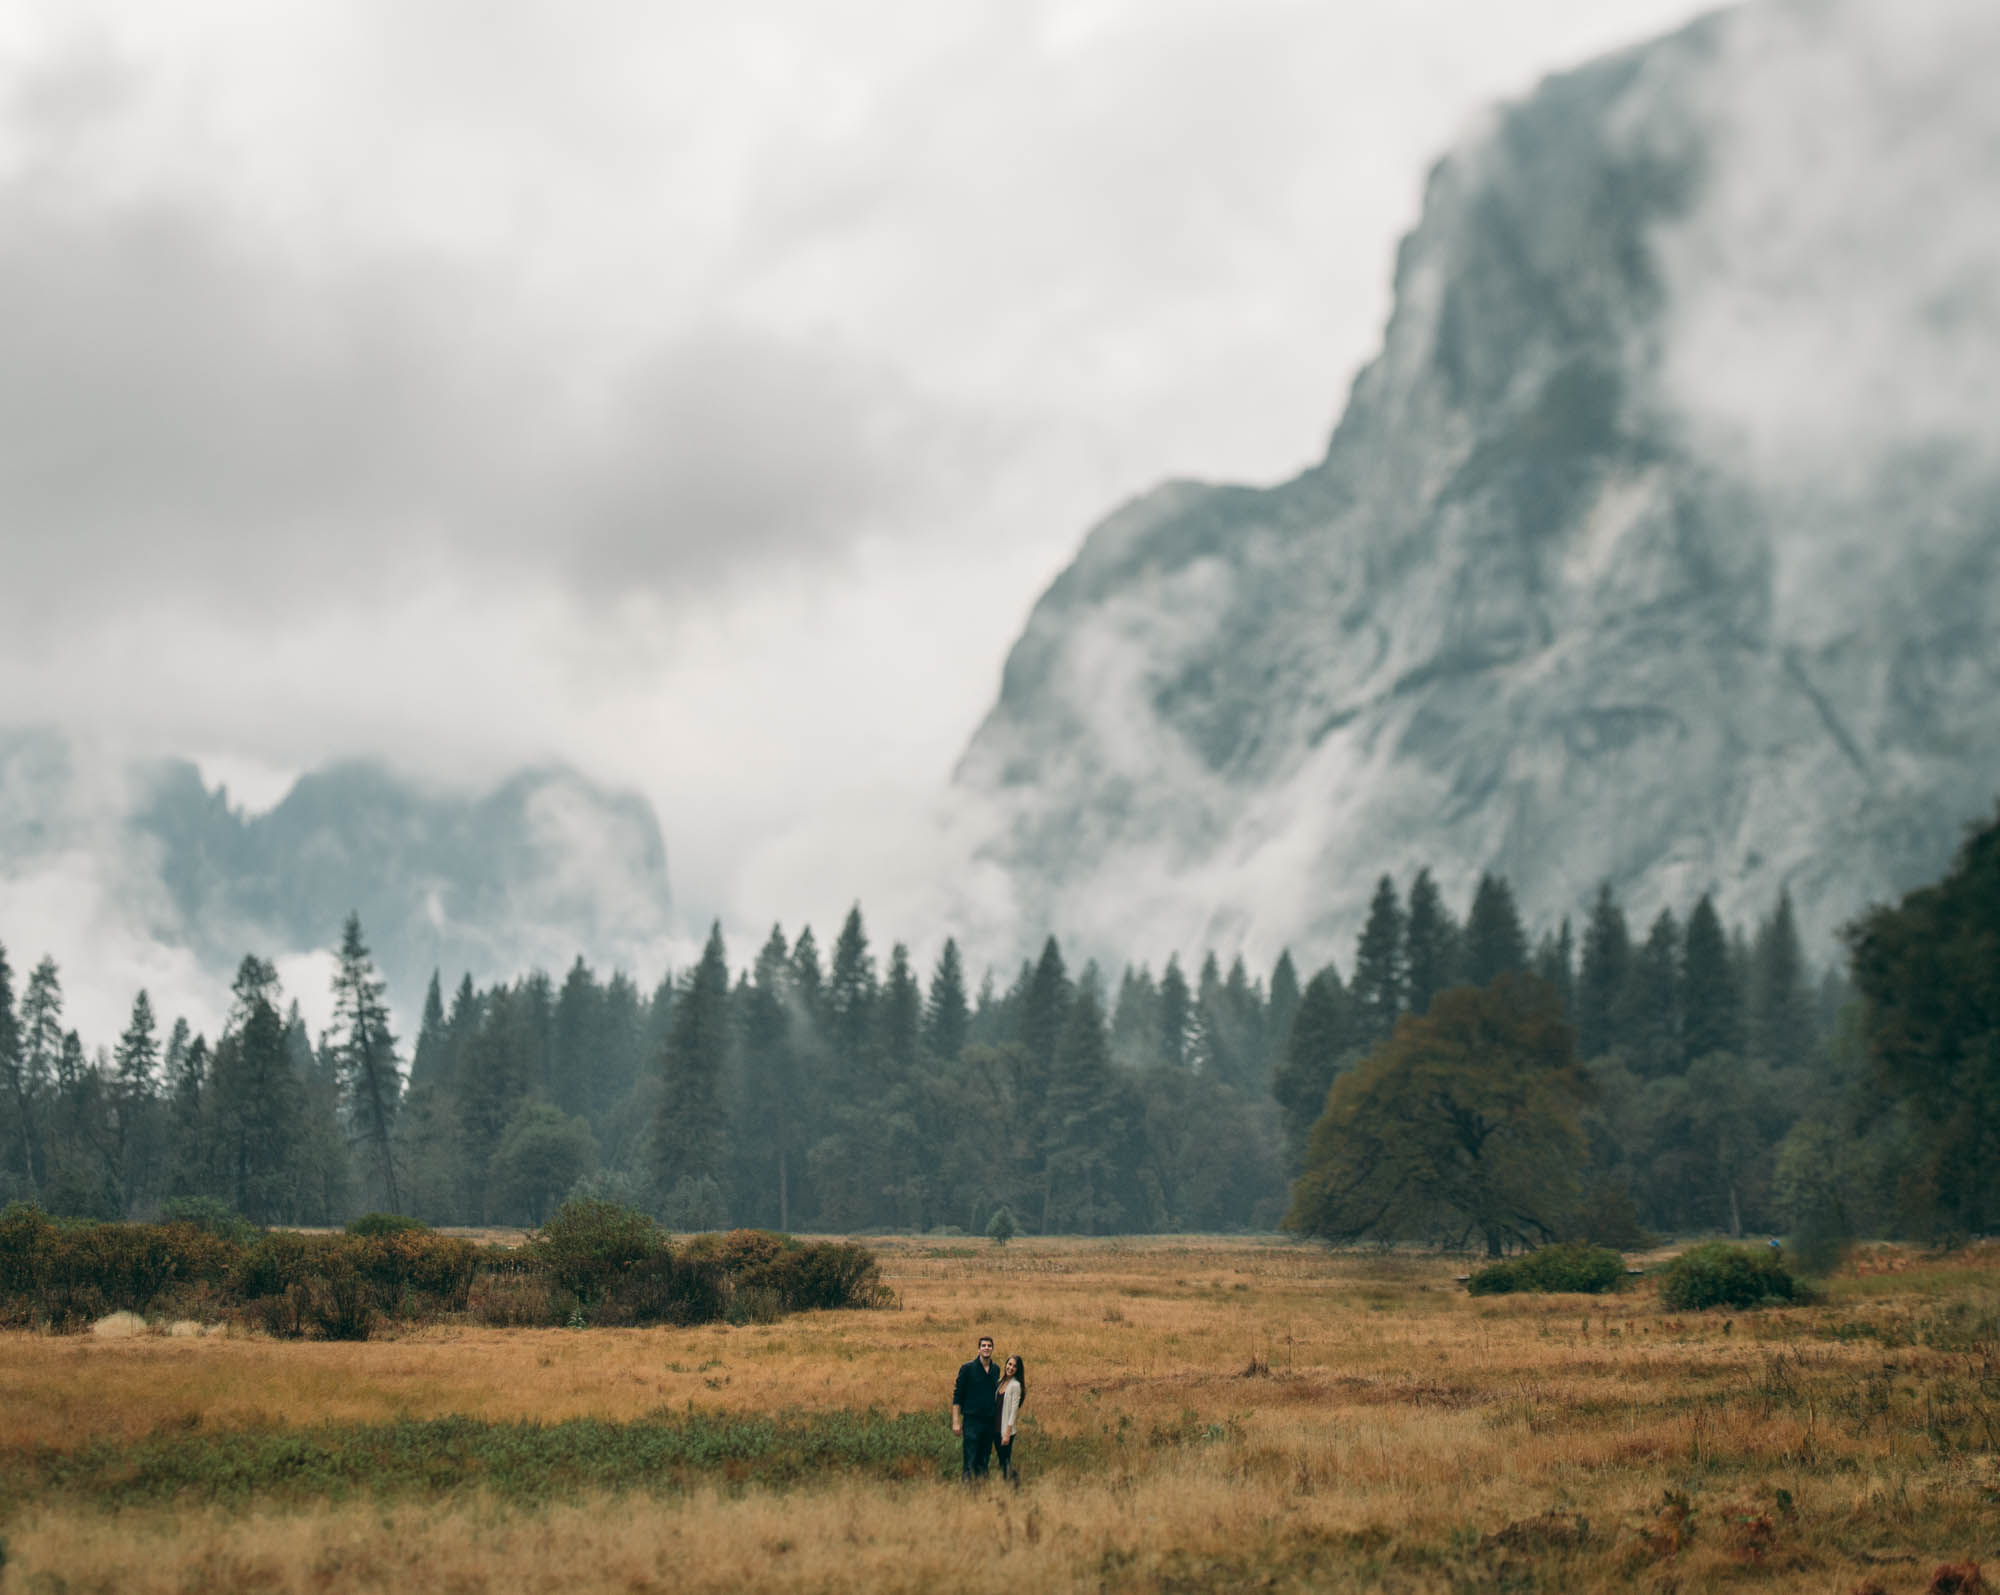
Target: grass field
{"points": [[1202, 1414]]}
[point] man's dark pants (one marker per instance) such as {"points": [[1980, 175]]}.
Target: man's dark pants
{"points": [[976, 1448]]}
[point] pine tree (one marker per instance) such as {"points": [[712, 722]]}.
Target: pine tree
{"points": [[322, 1172], [1378, 985], [1087, 1118], [1209, 1051], [1176, 1015], [1322, 1037], [1781, 1005], [1045, 1006], [1283, 1009], [1711, 1001], [16, 1103], [770, 1075], [427, 1064], [696, 1061], [1607, 965], [364, 1058], [850, 1006], [1495, 943], [256, 1101], [1649, 1013], [576, 1041], [190, 1164], [1430, 943], [134, 1096], [42, 1029], [1555, 966], [946, 1015], [467, 1012], [494, 1077], [1135, 1021], [899, 1017]]}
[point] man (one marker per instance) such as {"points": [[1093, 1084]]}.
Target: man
{"points": [[973, 1416]]}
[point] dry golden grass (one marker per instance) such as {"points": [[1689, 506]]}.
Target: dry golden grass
{"points": [[1257, 1415]]}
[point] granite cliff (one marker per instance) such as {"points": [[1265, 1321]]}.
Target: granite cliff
{"points": [[1660, 544]]}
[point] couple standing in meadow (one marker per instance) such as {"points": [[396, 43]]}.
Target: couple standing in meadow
{"points": [[984, 1404]]}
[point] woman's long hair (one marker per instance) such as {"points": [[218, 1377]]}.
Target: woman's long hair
{"points": [[1020, 1373]]}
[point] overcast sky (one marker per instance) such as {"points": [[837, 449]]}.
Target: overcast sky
{"points": [[699, 394]]}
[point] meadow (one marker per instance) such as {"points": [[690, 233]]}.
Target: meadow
{"points": [[1203, 1414]]}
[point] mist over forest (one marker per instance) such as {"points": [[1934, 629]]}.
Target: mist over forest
{"points": [[1457, 1083]]}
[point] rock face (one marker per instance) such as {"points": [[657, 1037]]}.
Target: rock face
{"points": [[1660, 545], [532, 873]]}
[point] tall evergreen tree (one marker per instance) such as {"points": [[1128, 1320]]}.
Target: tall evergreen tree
{"points": [[899, 1017], [134, 1096], [364, 1058], [1781, 1004], [16, 1104], [1377, 989], [1555, 966], [1135, 1020], [1430, 944], [1607, 965], [427, 1063], [1085, 1125], [1649, 1013], [1322, 1037], [495, 1077], [191, 1169], [850, 1004], [576, 1043], [1045, 1006], [771, 1084], [257, 1103], [1711, 1001], [1495, 943], [946, 1014], [41, 1044], [690, 1131], [1176, 1015], [1283, 1009]]}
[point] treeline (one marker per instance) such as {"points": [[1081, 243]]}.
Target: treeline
{"points": [[847, 1091], [1689, 1081]]}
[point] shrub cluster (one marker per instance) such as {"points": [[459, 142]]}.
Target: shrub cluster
{"points": [[611, 1264], [1574, 1266], [1720, 1275], [65, 1275], [593, 1262]]}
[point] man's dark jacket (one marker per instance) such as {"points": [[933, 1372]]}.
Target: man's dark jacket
{"points": [[977, 1393]]}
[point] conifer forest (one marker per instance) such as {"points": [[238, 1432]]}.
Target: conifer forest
{"points": [[1457, 1080]]}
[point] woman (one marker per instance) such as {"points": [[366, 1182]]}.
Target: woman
{"points": [[1013, 1391]]}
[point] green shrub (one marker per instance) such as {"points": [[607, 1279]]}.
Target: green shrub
{"points": [[666, 1289], [1575, 1266], [387, 1224], [589, 1247], [340, 1286], [211, 1216], [1720, 1275], [66, 1274], [1001, 1228]]}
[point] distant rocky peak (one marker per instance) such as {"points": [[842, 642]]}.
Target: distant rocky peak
{"points": [[1653, 548]]}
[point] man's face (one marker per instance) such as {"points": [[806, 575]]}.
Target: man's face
{"points": [[985, 1348]]}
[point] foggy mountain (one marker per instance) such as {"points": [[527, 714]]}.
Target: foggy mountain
{"points": [[1660, 544], [540, 868]]}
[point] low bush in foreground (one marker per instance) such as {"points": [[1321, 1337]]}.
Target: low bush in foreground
{"points": [[594, 1262], [1575, 1266], [1717, 1274]]}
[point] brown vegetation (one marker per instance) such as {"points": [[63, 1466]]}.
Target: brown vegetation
{"points": [[1202, 1415]]}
